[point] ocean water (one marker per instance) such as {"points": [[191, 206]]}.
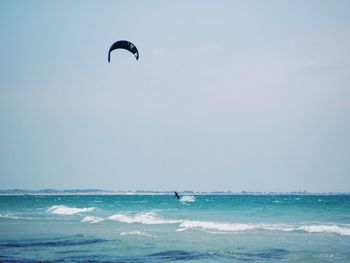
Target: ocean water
{"points": [[159, 228]]}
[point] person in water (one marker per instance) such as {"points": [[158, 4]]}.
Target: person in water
{"points": [[177, 195]]}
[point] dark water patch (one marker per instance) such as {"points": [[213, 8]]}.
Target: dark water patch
{"points": [[268, 255], [164, 256], [7, 259], [49, 243], [71, 251], [174, 255], [89, 259], [273, 254]]}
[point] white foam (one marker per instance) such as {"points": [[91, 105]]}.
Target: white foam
{"points": [[66, 210], [149, 218], [345, 231], [7, 216], [213, 226], [187, 198], [92, 219], [229, 227], [236, 227]]}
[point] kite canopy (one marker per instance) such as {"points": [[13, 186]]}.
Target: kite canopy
{"points": [[123, 44]]}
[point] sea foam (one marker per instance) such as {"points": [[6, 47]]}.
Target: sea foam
{"points": [[236, 227], [7, 216], [66, 210], [92, 219], [187, 198], [148, 218], [229, 227], [151, 218], [345, 231]]}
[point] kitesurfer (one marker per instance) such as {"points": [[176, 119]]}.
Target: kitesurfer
{"points": [[177, 195]]}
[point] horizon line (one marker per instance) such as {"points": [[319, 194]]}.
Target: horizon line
{"points": [[140, 191]]}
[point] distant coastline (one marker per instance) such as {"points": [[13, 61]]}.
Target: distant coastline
{"points": [[149, 192]]}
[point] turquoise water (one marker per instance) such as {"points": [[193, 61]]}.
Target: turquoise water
{"points": [[158, 228]]}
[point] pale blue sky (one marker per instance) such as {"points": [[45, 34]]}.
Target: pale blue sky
{"points": [[226, 95]]}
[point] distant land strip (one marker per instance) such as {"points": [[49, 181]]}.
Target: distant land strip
{"points": [[151, 192]]}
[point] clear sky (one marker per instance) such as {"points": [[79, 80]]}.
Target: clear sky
{"points": [[226, 95]]}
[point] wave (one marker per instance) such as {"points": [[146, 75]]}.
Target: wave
{"points": [[236, 227], [230, 227], [187, 198], [151, 218], [344, 231], [66, 210], [148, 218], [7, 216], [92, 219]]}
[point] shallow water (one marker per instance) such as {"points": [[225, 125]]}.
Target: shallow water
{"points": [[158, 228]]}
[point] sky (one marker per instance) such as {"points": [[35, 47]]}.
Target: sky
{"points": [[226, 95]]}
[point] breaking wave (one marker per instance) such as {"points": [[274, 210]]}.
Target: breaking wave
{"points": [[229, 227], [66, 210], [92, 219], [187, 198], [151, 218], [345, 231], [236, 227]]}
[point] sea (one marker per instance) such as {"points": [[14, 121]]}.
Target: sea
{"points": [[160, 228]]}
